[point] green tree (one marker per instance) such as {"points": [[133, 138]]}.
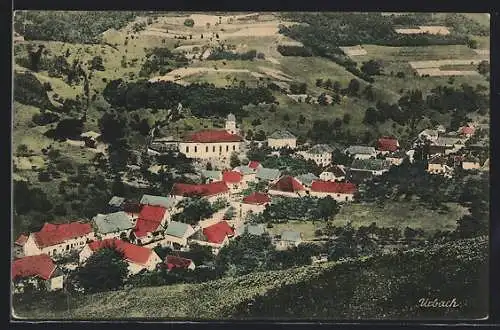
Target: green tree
{"points": [[189, 22], [372, 67], [234, 160], [327, 208], [483, 68], [103, 271], [194, 209], [353, 87], [97, 63]]}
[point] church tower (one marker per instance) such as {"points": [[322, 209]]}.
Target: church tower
{"points": [[231, 124]]}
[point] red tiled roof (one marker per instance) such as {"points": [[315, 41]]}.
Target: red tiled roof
{"points": [[131, 252], [387, 144], [177, 262], [40, 265], [254, 164], [21, 240], [333, 187], [467, 130], [288, 184], [152, 213], [143, 227], [205, 190], [218, 232], [232, 176], [51, 234], [211, 136], [257, 198]]}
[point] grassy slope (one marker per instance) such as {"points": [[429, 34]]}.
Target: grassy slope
{"points": [[367, 288]]}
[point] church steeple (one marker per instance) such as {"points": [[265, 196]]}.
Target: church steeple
{"points": [[231, 124]]}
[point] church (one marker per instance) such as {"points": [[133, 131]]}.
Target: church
{"points": [[213, 145]]}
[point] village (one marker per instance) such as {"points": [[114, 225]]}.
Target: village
{"points": [[138, 227]]}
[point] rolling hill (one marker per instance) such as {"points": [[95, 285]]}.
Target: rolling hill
{"points": [[380, 287]]}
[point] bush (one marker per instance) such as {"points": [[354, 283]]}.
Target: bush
{"points": [[189, 22], [45, 118], [294, 51]]}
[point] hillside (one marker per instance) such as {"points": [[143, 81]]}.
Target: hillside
{"points": [[380, 287]]}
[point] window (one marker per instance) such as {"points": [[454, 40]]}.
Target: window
{"points": [[54, 251], [195, 149], [206, 149], [338, 195], [67, 247], [234, 147], [213, 149], [227, 148], [220, 148], [187, 149], [346, 198]]}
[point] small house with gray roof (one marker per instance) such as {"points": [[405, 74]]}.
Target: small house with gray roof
{"points": [[116, 204], [287, 240], [307, 179], [321, 154], [361, 152], [269, 175], [282, 139], [166, 202], [178, 233], [211, 176], [251, 229], [113, 225]]}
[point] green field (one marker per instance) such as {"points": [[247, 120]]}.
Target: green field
{"points": [[400, 214]]}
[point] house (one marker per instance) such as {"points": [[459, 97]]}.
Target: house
{"points": [[438, 165], [211, 176], [138, 258], [214, 145], [178, 233], [216, 236], [234, 180], [255, 202], [282, 139], [445, 145], [288, 239], [58, 240], [339, 191], [38, 270], [396, 158], [429, 134], [254, 165], [387, 144], [149, 225], [251, 229], [374, 166], [307, 179], [115, 204], [18, 251], [113, 225], [471, 163], [269, 175], [212, 191], [175, 262], [321, 154], [287, 186], [166, 202], [333, 173], [163, 145], [466, 131], [90, 138], [361, 152]]}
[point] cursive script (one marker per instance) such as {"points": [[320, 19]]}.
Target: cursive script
{"points": [[437, 303]]}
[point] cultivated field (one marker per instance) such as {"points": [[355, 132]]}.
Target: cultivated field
{"points": [[438, 30]]}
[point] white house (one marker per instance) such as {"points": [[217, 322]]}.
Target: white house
{"points": [[282, 139], [178, 233], [58, 240], [137, 257], [438, 165], [339, 191], [113, 225], [36, 270], [321, 154], [255, 203], [211, 191], [361, 152], [471, 163], [333, 173], [216, 236], [288, 239]]}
